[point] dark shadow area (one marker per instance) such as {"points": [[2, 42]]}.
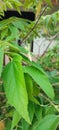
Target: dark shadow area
{"points": [[26, 15], [57, 128]]}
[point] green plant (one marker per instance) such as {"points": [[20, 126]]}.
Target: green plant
{"points": [[50, 63], [26, 93]]}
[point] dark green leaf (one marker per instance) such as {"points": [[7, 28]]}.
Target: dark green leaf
{"points": [[31, 110], [38, 112], [30, 88]]}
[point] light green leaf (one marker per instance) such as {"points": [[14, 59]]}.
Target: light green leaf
{"points": [[9, 5], [1, 59], [49, 122], [16, 119], [5, 23], [41, 79], [15, 88], [16, 2]]}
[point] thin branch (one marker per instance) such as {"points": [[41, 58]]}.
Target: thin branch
{"points": [[49, 44], [29, 33], [55, 84], [55, 106]]}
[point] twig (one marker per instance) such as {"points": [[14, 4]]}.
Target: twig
{"points": [[49, 44], [55, 84], [29, 33], [55, 106]]}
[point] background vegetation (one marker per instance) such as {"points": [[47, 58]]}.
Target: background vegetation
{"points": [[28, 92]]}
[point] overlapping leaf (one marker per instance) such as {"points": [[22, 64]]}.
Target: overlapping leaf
{"points": [[31, 109], [15, 88], [30, 89], [49, 122], [16, 119], [41, 79]]}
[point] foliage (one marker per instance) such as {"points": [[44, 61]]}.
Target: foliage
{"points": [[50, 62], [50, 24], [27, 95]]}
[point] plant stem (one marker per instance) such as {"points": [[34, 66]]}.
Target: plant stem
{"points": [[29, 33], [49, 44], [55, 106]]}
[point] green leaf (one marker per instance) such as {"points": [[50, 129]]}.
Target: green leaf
{"points": [[31, 110], [14, 31], [30, 88], [36, 90], [38, 66], [5, 23], [16, 119], [21, 24], [15, 88], [20, 48], [54, 18], [47, 21], [28, 3], [1, 59], [38, 112], [4, 33], [9, 5], [50, 110], [8, 124], [41, 79], [16, 2], [49, 122]]}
